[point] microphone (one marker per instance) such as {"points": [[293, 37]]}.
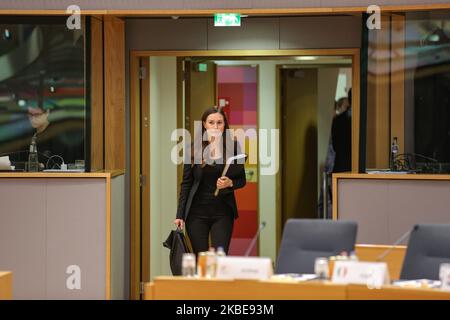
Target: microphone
{"points": [[398, 241], [255, 238]]}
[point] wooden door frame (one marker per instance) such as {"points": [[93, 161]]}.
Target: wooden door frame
{"points": [[136, 156]]}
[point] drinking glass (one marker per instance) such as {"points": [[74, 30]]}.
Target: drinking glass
{"points": [[321, 268]]}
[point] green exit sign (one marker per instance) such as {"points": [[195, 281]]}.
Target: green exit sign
{"points": [[227, 20]]}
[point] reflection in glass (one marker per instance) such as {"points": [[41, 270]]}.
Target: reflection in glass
{"points": [[408, 93], [42, 90]]}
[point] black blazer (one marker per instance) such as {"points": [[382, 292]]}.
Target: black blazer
{"points": [[192, 175]]}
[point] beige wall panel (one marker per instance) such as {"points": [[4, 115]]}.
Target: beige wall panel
{"points": [[22, 235], [261, 33], [320, 32], [76, 236], [386, 209], [167, 34]]}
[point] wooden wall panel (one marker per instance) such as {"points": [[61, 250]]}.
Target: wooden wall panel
{"points": [[398, 80], [97, 134], [114, 59], [378, 98], [299, 144], [202, 93]]}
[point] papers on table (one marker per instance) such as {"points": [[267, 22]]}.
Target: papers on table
{"points": [[5, 164], [419, 283], [294, 277]]}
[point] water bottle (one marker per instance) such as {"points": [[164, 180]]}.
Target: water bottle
{"points": [[321, 268], [33, 161], [394, 153], [188, 265], [353, 256], [211, 260], [220, 252]]}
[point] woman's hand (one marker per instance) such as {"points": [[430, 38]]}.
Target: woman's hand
{"points": [[179, 223], [224, 182]]}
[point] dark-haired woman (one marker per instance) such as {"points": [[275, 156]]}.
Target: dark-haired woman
{"points": [[205, 215]]}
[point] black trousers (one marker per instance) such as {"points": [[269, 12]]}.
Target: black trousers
{"points": [[200, 227]]}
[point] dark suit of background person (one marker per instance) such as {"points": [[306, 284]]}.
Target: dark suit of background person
{"points": [[202, 211], [341, 137]]}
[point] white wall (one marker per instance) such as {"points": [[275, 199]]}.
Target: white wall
{"points": [[267, 184], [163, 173]]}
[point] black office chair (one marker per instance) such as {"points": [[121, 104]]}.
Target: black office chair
{"points": [[304, 240], [428, 247]]}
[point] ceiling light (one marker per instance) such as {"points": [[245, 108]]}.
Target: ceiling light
{"points": [[306, 58], [22, 103]]}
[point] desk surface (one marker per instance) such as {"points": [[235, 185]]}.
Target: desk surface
{"points": [[360, 292], [97, 174], [391, 176], [6, 288], [179, 288]]}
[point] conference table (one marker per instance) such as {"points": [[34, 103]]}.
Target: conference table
{"points": [[6, 287], [181, 288]]}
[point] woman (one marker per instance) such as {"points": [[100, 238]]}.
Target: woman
{"points": [[204, 213]]}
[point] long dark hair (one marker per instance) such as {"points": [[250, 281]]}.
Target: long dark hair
{"points": [[226, 136]]}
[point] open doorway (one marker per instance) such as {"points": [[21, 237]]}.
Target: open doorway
{"points": [[232, 85], [173, 97], [311, 96]]}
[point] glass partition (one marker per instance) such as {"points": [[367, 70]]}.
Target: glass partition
{"points": [[408, 94], [42, 91]]}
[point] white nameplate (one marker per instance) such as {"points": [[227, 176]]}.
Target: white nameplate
{"points": [[444, 275], [372, 274], [244, 268]]}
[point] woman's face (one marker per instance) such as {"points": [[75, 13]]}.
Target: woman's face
{"points": [[214, 124]]}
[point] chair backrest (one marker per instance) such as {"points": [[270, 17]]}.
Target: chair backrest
{"points": [[304, 240], [428, 247]]}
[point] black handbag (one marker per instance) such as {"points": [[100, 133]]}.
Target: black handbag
{"points": [[177, 244]]}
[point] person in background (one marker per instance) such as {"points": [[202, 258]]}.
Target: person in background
{"points": [[208, 216], [341, 138], [38, 118], [54, 139], [340, 107]]}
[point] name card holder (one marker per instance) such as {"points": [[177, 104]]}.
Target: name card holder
{"points": [[255, 268], [372, 274]]}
